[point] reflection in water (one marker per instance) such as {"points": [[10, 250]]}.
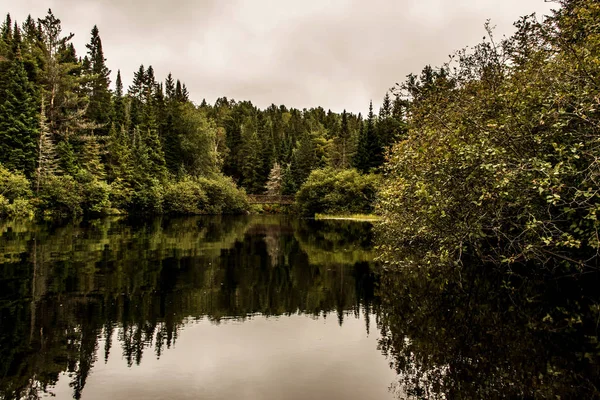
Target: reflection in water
{"points": [[72, 294], [476, 333], [269, 307]]}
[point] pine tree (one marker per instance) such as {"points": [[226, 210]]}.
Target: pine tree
{"points": [[91, 157], [99, 108], [250, 158], [136, 89], [341, 157], [274, 183], [288, 185], [368, 153], [303, 160], [119, 155], [170, 87], [18, 119], [65, 101], [118, 103], [47, 163], [386, 109], [6, 38], [387, 126]]}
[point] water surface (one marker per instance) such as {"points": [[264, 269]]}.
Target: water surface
{"points": [[206, 307]]}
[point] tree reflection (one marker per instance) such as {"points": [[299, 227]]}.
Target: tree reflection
{"points": [[70, 294], [476, 332]]}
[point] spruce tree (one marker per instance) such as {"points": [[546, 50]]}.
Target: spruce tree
{"points": [[170, 87], [18, 119], [47, 163], [118, 103], [341, 157], [368, 155], [303, 160], [92, 157], [274, 183], [99, 107]]}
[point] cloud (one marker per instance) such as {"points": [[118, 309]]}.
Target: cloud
{"points": [[333, 53]]}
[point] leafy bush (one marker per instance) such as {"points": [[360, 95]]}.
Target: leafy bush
{"points": [[61, 196], [224, 197], [14, 185], [184, 197], [502, 156], [339, 192], [15, 194], [96, 193], [147, 199]]}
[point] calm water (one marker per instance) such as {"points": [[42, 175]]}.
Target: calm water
{"points": [[279, 308], [212, 308]]}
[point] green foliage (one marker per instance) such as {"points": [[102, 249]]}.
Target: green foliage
{"points": [[184, 197], [147, 199], [61, 196], [369, 152], [60, 121], [18, 118], [14, 185], [339, 192], [502, 153], [99, 108], [224, 196], [15, 194], [19, 208]]}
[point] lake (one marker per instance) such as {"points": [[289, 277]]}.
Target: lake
{"points": [[274, 307], [205, 307]]}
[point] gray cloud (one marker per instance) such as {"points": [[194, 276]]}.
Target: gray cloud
{"points": [[337, 53]]}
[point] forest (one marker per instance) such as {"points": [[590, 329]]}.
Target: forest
{"points": [[71, 143], [493, 154]]}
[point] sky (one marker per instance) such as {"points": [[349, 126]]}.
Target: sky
{"points": [[338, 54]]}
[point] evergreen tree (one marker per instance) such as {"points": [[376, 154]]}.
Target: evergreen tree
{"points": [[303, 160], [47, 163], [118, 103], [99, 108], [274, 183], [92, 157], [170, 87], [388, 128], [288, 185], [65, 101], [368, 154], [18, 119], [6, 38], [341, 158]]}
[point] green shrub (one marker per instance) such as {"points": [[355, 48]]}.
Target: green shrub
{"points": [[97, 197], [147, 199], [339, 192], [224, 197], [501, 160], [61, 196], [185, 197], [14, 185], [96, 193], [121, 194]]}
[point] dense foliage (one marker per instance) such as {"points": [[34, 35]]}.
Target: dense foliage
{"points": [[88, 148], [502, 153], [337, 192]]}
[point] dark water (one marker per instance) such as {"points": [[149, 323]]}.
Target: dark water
{"points": [[216, 308], [279, 308]]}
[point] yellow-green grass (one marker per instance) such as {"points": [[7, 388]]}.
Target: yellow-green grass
{"points": [[350, 217]]}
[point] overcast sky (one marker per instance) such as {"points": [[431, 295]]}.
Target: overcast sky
{"points": [[302, 53]]}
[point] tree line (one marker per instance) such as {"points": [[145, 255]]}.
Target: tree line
{"points": [[73, 143]]}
